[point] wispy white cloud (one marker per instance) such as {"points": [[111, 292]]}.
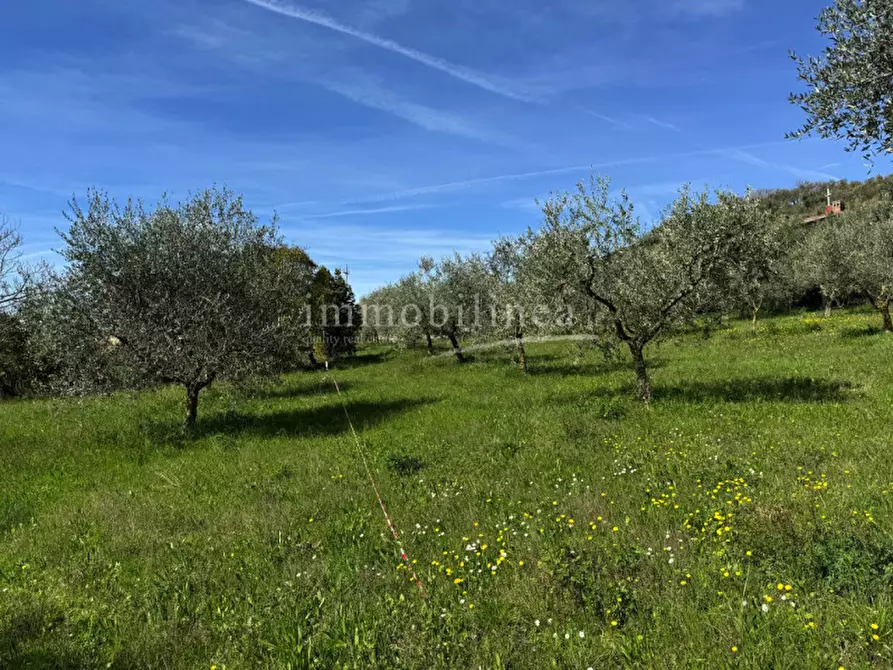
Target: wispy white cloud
{"points": [[389, 252], [385, 243], [376, 11], [467, 75], [642, 194], [664, 188], [744, 156], [660, 124], [35, 187], [365, 91], [369, 212], [519, 176], [626, 125], [606, 12], [712, 8], [646, 209], [248, 49], [607, 119], [201, 38], [225, 39], [527, 204], [467, 183]]}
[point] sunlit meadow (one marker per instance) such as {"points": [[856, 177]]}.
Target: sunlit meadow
{"points": [[743, 521]]}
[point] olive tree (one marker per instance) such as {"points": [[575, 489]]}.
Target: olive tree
{"points": [[849, 85], [821, 260], [379, 308], [416, 299], [761, 275], [69, 355], [186, 293], [528, 300], [511, 294], [868, 233], [463, 290], [643, 283], [15, 276], [16, 281], [401, 311]]}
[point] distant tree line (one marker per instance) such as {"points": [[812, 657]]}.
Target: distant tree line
{"points": [[809, 198], [193, 292], [183, 293], [590, 269]]}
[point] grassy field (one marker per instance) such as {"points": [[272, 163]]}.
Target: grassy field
{"points": [[743, 521]]}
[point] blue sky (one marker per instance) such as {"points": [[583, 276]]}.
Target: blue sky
{"points": [[387, 129]]}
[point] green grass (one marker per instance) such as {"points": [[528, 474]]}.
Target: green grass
{"points": [[258, 541]]}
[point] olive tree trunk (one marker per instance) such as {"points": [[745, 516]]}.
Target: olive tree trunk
{"points": [[456, 348], [522, 354], [829, 302], [430, 344], [881, 302], [192, 391], [756, 304], [643, 382]]}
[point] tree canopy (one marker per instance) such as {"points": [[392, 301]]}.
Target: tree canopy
{"points": [[185, 293], [591, 270], [867, 232], [334, 319], [640, 284], [15, 276], [850, 84]]}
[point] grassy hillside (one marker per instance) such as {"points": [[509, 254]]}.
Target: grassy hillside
{"points": [[810, 198], [744, 521]]}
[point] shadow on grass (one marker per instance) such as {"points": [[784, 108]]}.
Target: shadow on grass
{"points": [[587, 368], [318, 421], [772, 389], [44, 660], [362, 358], [281, 392], [861, 331], [24, 635]]}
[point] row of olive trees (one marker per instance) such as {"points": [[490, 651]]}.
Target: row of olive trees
{"points": [[449, 299], [591, 268], [185, 293], [843, 258], [852, 254], [847, 97], [705, 254]]}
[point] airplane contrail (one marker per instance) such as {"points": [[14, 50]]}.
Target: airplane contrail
{"points": [[457, 71]]}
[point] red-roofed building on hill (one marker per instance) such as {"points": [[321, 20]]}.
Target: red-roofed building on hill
{"points": [[835, 208]]}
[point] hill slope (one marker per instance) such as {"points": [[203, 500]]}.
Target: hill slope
{"points": [[744, 519]]}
